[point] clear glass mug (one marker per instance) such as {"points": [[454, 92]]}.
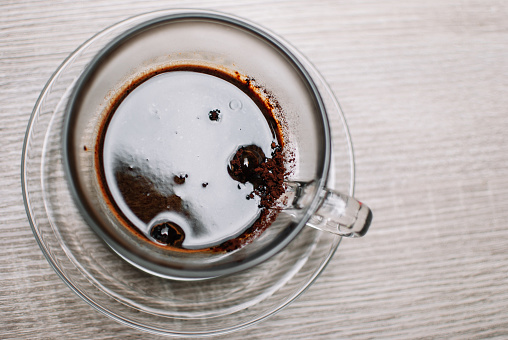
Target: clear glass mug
{"points": [[208, 38]]}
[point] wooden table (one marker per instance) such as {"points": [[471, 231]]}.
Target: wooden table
{"points": [[424, 88]]}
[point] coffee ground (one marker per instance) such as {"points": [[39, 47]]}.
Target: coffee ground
{"points": [[214, 115], [180, 179], [267, 176]]}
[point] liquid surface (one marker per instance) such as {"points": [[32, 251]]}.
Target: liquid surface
{"points": [[166, 152]]}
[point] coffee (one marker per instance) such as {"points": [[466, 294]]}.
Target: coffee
{"points": [[191, 158]]}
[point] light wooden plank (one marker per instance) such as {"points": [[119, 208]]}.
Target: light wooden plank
{"points": [[423, 86]]}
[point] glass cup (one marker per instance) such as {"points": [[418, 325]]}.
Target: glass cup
{"points": [[236, 46], [182, 306]]}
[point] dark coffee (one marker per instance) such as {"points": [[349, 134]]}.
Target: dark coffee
{"points": [[191, 158]]}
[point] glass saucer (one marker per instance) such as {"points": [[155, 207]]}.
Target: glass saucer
{"points": [[128, 295]]}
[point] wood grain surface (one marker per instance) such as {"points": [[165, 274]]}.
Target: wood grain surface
{"points": [[424, 88]]}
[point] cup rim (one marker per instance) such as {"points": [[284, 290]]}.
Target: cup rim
{"points": [[71, 172]]}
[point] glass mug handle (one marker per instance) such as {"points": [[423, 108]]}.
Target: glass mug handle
{"points": [[337, 213]]}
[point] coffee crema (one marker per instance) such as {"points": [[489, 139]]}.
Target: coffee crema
{"points": [[191, 158]]}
